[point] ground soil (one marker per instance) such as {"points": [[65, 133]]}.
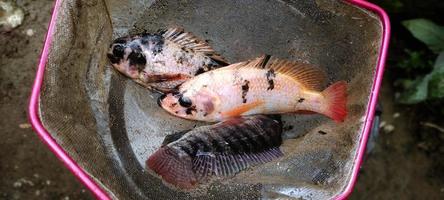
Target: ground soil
{"points": [[399, 167], [28, 170]]}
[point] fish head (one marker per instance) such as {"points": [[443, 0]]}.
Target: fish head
{"points": [[198, 106], [126, 56]]}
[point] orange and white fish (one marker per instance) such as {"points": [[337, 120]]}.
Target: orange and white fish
{"points": [[163, 60], [265, 85]]}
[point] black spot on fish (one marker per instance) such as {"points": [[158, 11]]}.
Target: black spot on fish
{"points": [[270, 84], [322, 132], [157, 44], [153, 42], [145, 39], [270, 78], [113, 59], [189, 111], [200, 71], [119, 50], [159, 100], [117, 54], [180, 60], [136, 58], [245, 89], [135, 47], [301, 100], [266, 59]]}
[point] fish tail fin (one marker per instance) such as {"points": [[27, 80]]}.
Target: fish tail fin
{"points": [[336, 100], [173, 169]]}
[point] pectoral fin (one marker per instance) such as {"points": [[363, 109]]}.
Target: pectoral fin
{"points": [[241, 109]]}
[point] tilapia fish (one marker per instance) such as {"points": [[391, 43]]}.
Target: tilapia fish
{"points": [[265, 85], [222, 149], [163, 60]]}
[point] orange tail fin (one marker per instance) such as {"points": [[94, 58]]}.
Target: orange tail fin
{"points": [[336, 100]]}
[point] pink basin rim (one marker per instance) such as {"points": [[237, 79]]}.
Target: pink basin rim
{"points": [[37, 124], [374, 92], [101, 194]]}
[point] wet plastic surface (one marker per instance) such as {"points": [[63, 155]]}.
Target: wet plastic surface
{"points": [[110, 125]]}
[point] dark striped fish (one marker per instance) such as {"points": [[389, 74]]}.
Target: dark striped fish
{"points": [[163, 60], [222, 149]]}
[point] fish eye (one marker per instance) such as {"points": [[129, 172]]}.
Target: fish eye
{"points": [[185, 101], [119, 50]]}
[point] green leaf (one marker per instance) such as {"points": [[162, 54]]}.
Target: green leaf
{"points": [[439, 63], [416, 93], [431, 86], [428, 32], [436, 84], [414, 60]]}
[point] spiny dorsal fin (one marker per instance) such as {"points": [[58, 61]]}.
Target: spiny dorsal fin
{"points": [[191, 42], [310, 76]]}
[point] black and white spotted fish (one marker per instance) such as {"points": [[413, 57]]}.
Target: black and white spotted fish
{"points": [[265, 85], [163, 60], [222, 149]]}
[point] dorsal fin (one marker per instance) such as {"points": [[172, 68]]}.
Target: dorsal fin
{"points": [[310, 76], [189, 41], [174, 136]]}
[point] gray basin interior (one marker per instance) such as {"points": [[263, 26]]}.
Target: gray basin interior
{"points": [[109, 125]]}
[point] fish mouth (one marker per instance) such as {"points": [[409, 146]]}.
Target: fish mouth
{"points": [[159, 100], [170, 104]]}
